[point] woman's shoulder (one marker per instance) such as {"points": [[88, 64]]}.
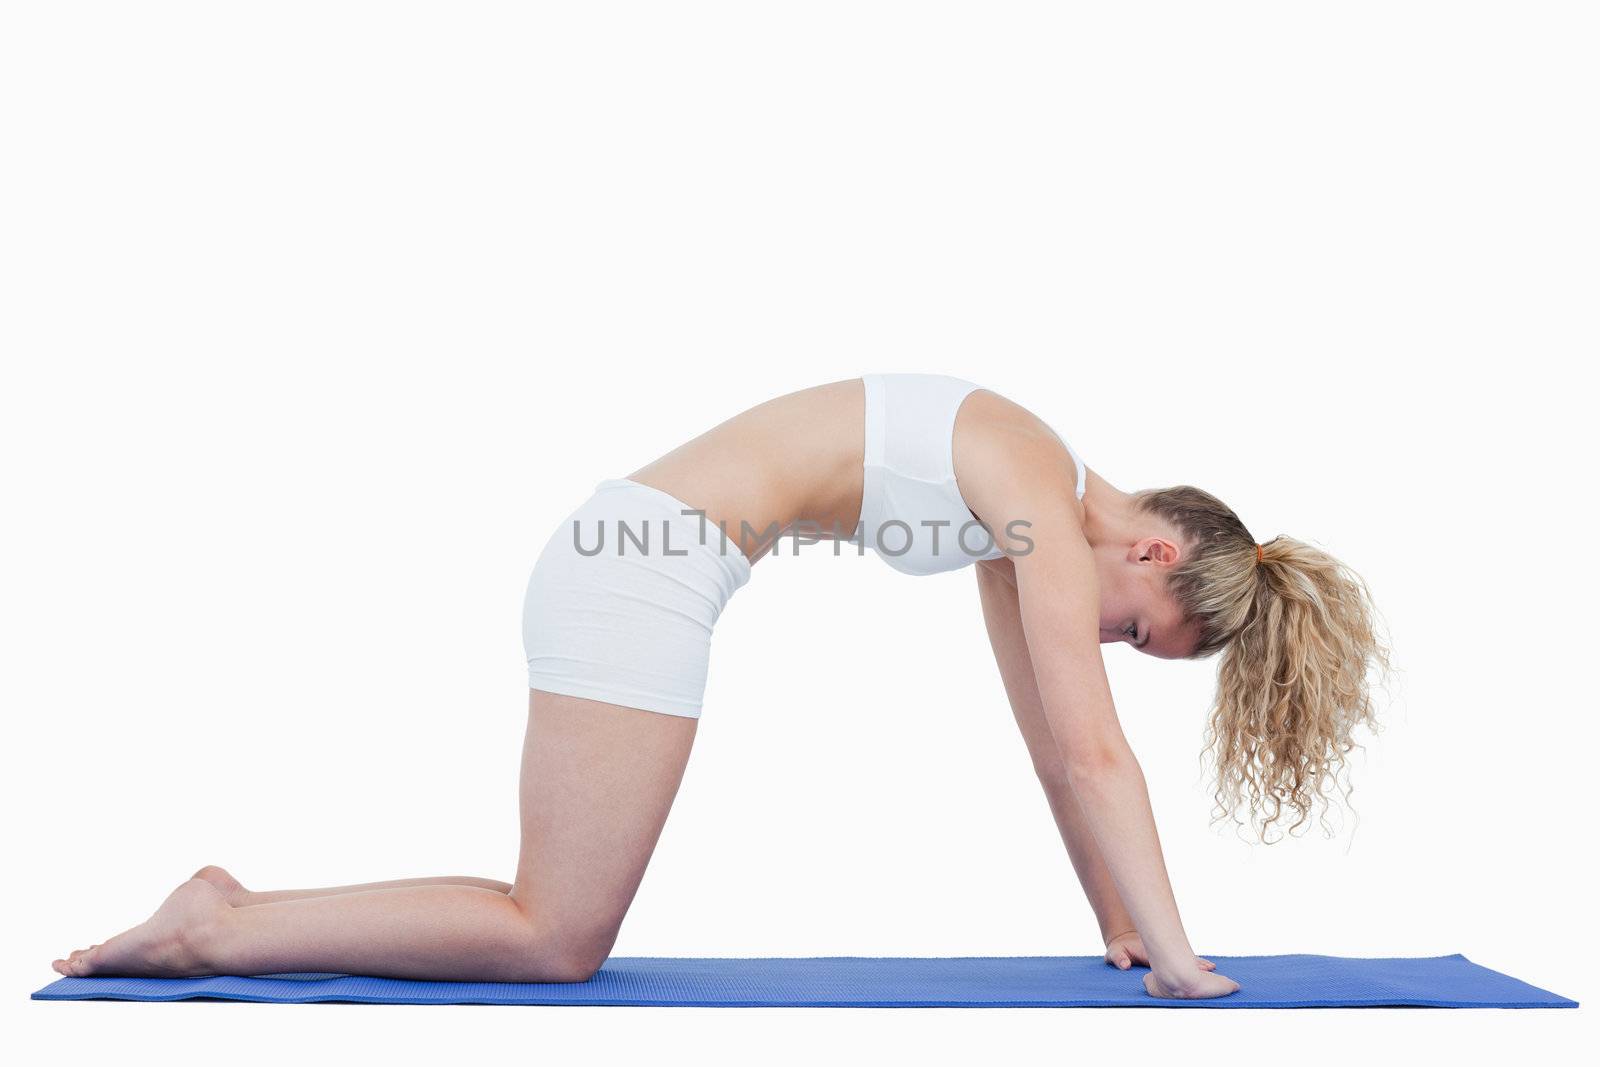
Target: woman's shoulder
{"points": [[995, 433]]}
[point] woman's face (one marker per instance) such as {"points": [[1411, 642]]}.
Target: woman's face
{"points": [[1135, 606]]}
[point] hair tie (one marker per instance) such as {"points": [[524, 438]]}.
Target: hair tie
{"points": [[1258, 555]]}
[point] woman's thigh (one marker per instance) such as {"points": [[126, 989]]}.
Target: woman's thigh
{"points": [[597, 782]]}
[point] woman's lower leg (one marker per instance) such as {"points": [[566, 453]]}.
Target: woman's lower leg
{"points": [[239, 896], [597, 783], [443, 932]]}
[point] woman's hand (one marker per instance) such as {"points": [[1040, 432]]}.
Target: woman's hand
{"points": [[1127, 950], [1194, 984]]}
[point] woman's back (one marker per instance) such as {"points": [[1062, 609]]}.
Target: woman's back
{"points": [[797, 460], [793, 458]]}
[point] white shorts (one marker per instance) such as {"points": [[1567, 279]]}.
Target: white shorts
{"points": [[622, 601]]}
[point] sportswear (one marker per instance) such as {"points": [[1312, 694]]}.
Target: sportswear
{"points": [[912, 512], [623, 599]]}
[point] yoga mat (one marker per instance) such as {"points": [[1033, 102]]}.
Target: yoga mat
{"points": [[890, 982]]}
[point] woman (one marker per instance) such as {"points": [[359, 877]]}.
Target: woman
{"points": [[931, 473]]}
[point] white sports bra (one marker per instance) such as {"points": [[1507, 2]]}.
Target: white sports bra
{"points": [[912, 512]]}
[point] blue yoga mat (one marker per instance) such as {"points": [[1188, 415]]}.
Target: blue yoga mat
{"points": [[890, 982]]}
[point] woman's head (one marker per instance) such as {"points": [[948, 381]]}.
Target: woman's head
{"points": [[1296, 629]]}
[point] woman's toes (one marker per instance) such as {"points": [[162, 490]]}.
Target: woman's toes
{"points": [[78, 963], [171, 943]]}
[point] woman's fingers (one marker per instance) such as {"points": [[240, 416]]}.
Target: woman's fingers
{"points": [[1123, 955], [1126, 951]]}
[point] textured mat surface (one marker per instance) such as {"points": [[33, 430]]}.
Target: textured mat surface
{"points": [[888, 982]]}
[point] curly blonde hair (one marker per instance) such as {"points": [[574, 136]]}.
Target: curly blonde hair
{"points": [[1297, 631]]}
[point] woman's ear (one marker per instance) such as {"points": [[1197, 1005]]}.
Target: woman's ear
{"points": [[1157, 550]]}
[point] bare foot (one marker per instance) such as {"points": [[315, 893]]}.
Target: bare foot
{"points": [[170, 944], [234, 893]]}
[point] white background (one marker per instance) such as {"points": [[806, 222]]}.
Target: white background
{"points": [[318, 317]]}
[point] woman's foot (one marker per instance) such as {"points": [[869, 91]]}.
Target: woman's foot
{"points": [[234, 893], [170, 944]]}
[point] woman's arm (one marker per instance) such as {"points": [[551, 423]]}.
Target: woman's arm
{"points": [[1058, 602], [998, 593]]}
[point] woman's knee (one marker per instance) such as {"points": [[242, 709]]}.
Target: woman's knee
{"points": [[558, 953], [577, 956], [543, 962], [578, 968]]}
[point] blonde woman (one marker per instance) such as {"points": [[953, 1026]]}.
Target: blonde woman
{"points": [[930, 473]]}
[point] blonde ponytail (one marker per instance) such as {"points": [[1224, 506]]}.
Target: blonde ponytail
{"points": [[1297, 631]]}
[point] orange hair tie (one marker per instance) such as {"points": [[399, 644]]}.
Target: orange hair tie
{"points": [[1258, 554]]}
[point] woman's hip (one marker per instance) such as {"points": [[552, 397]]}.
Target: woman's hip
{"points": [[622, 602]]}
